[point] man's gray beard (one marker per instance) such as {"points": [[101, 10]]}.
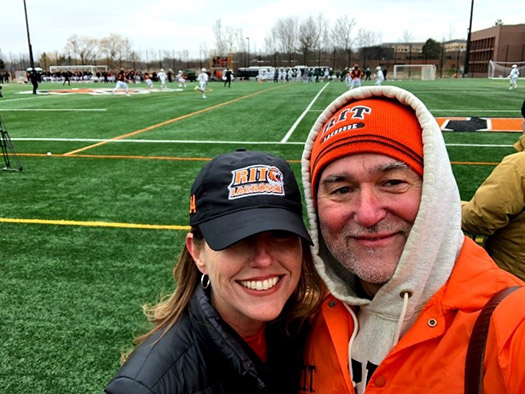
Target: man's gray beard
{"points": [[350, 261]]}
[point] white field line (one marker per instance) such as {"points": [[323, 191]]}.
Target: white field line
{"points": [[294, 126], [212, 142], [53, 109], [21, 99], [475, 110]]}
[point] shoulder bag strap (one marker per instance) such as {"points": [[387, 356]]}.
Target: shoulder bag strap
{"points": [[478, 340]]}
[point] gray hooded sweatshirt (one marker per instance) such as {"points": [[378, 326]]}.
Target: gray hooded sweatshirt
{"points": [[429, 254]]}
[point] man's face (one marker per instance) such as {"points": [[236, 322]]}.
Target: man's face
{"points": [[367, 204]]}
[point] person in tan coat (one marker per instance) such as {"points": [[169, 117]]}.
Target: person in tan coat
{"points": [[497, 210]]}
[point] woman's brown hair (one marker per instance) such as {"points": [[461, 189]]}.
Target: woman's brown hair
{"points": [[303, 303]]}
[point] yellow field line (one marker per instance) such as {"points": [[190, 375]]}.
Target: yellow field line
{"points": [[120, 137], [467, 163], [95, 224]]}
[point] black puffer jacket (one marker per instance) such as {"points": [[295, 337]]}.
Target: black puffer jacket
{"points": [[202, 354]]}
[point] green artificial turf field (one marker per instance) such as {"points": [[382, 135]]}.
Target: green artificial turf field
{"points": [[91, 231]]}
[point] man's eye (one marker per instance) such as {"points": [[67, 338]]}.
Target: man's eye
{"points": [[394, 182], [341, 190]]}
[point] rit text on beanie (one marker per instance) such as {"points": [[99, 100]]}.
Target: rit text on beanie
{"points": [[376, 125]]}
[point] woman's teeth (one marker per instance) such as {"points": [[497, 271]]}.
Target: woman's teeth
{"points": [[260, 284]]}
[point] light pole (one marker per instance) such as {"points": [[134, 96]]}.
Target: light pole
{"points": [[31, 61], [248, 53], [467, 55]]}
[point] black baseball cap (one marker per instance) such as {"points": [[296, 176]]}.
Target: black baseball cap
{"points": [[243, 193]]}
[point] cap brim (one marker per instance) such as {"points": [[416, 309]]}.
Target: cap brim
{"points": [[224, 231]]}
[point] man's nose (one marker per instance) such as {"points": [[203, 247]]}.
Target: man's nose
{"points": [[369, 210]]}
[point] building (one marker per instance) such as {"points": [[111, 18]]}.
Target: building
{"points": [[501, 43]]}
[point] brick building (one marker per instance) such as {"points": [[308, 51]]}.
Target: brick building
{"points": [[501, 43]]}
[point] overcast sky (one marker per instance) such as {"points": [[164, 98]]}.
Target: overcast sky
{"points": [[187, 25]]}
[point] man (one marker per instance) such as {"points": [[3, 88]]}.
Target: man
{"points": [[497, 210], [513, 76], [406, 285], [228, 78], [162, 78], [122, 82], [34, 77], [203, 81], [379, 76], [355, 77]]}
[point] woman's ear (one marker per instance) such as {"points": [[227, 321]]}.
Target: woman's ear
{"points": [[196, 251]]}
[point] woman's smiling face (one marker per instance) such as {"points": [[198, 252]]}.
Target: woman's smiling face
{"points": [[251, 280]]}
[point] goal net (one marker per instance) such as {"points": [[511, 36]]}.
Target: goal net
{"points": [[425, 72], [502, 69]]}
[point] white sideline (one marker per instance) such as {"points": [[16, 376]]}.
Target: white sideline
{"points": [[294, 126], [53, 109]]}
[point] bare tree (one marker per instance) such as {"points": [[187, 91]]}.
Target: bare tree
{"points": [[221, 45], [203, 53], [407, 36], [309, 36], [341, 35], [112, 47], [285, 32], [322, 44], [367, 38], [231, 37], [82, 46], [270, 44]]}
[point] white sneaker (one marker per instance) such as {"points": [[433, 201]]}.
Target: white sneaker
{"points": [[203, 96]]}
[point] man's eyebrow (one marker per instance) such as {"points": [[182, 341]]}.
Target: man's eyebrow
{"points": [[384, 168], [397, 165]]}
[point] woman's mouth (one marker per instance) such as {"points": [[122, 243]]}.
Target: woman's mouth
{"points": [[260, 285]]}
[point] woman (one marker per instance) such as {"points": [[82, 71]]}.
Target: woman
{"points": [[245, 288]]}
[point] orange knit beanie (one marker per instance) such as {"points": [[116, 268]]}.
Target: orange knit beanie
{"points": [[376, 125]]}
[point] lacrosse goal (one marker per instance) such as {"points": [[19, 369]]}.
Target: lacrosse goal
{"points": [[502, 69], [424, 72]]}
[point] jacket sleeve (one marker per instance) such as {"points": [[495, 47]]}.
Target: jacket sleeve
{"points": [[125, 385], [498, 198]]}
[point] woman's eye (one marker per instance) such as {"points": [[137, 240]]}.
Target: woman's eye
{"points": [[282, 235]]}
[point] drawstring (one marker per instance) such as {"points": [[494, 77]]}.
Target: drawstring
{"points": [[406, 295], [351, 342]]}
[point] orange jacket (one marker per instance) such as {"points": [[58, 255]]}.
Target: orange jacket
{"points": [[430, 357]]}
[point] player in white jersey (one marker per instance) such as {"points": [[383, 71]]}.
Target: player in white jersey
{"points": [[203, 81], [379, 76], [181, 80], [162, 77], [513, 76]]}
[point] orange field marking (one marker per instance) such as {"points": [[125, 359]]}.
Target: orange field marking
{"points": [[156, 126], [495, 124]]}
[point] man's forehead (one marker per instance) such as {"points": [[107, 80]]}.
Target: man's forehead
{"points": [[364, 161]]}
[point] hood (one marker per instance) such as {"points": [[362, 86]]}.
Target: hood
{"points": [[435, 239]]}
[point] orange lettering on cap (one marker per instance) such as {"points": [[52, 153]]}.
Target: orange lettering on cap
{"points": [[241, 177], [193, 205]]}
